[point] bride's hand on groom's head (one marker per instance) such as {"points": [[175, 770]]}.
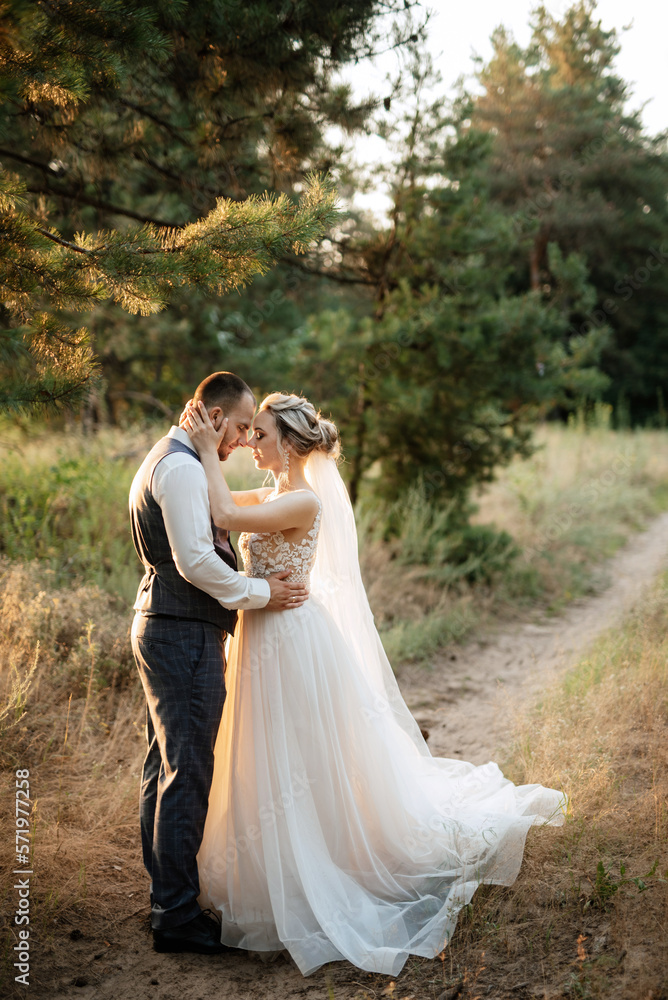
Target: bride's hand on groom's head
{"points": [[201, 431]]}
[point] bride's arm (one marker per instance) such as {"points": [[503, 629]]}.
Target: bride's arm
{"points": [[292, 510]]}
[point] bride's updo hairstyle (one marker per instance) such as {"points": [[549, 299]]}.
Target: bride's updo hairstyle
{"points": [[301, 426]]}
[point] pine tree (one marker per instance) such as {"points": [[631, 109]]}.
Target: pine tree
{"points": [[44, 277], [135, 141], [451, 363], [570, 167]]}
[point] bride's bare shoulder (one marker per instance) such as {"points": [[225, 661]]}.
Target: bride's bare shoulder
{"points": [[310, 497]]}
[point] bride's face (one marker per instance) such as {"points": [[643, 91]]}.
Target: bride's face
{"points": [[264, 443]]}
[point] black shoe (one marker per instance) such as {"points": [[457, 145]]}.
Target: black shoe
{"points": [[201, 934]]}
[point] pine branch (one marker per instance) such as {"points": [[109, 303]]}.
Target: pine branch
{"points": [[167, 126], [52, 367], [61, 242], [20, 158], [140, 270]]}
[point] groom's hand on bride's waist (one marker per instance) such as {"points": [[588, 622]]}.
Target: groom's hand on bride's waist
{"points": [[285, 594]]}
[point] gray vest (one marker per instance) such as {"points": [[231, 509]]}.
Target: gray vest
{"points": [[163, 591]]}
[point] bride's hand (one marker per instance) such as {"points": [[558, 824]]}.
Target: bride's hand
{"points": [[197, 423]]}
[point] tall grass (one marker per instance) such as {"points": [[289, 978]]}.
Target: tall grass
{"points": [[64, 501], [583, 491], [538, 538], [544, 528], [71, 712]]}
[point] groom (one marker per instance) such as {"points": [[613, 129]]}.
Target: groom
{"points": [[186, 605]]}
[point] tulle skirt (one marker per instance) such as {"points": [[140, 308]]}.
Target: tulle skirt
{"points": [[331, 831]]}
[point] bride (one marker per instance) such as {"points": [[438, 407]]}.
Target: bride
{"points": [[331, 830]]}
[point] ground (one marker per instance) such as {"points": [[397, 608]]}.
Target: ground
{"points": [[469, 698]]}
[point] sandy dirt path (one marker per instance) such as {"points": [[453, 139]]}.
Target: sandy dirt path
{"points": [[466, 700]]}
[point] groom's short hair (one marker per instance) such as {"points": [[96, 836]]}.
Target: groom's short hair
{"points": [[223, 389]]}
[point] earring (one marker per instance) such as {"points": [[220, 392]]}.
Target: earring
{"points": [[283, 481]]}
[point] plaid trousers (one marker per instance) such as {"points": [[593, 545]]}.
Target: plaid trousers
{"points": [[181, 664]]}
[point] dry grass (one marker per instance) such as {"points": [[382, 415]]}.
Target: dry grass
{"points": [[568, 508], [72, 714], [584, 490], [64, 501]]}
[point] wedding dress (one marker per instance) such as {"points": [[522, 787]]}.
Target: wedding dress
{"points": [[332, 832]]}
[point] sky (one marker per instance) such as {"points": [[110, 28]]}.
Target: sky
{"points": [[459, 29]]}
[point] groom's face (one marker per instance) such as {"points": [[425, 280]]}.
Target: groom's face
{"points": [[240, 417]]}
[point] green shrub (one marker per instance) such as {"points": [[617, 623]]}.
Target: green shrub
{"points": [[67, 506], [422, 533], [72, 515]]}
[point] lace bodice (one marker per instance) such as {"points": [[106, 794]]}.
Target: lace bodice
{"points": [[267, 552]]}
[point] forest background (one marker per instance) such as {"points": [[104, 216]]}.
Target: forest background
{"points": [[520, 274]]}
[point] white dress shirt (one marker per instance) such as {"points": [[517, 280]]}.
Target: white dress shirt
{"points": [[180, 489]]}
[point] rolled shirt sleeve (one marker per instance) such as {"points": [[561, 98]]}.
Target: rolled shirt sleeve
{"points": [[180, 489]]}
